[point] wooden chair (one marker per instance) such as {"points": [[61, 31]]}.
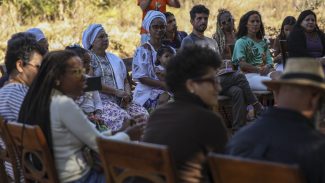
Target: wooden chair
{"points": [[228, 169], [8, 154], [265, 97], [31, 146], [123, 160]]}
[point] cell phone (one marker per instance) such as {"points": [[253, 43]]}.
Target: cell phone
{"points": [[93, 84]]}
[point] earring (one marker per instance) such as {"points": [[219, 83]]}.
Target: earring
{"points": [[57, 83]]}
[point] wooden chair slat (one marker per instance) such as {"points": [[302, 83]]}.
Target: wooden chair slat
{"points": [[150, 161], [228, 169]]}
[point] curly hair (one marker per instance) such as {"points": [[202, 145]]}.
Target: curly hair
{"points": [[242, 26], [198, 9], [35, 109], [21, 46], [190, 62]]}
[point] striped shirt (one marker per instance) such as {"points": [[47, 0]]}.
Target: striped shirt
{"points": [[12, 96]]}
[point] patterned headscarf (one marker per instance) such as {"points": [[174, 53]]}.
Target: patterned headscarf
{"points": [[150, 16], [39, 35], [89, 35]]}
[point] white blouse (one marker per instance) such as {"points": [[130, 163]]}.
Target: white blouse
{"points": [[143, 67]]}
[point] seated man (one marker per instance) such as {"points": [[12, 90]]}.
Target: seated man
{"points": [[234, 84], [287, 134], [173, 37]]}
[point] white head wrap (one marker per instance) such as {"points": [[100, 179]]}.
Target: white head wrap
{"points": [[150, 16], [37, 33], [89, 35]]}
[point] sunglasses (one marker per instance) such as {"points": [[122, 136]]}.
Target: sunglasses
{"points": [[229, 20], [212, 80]]}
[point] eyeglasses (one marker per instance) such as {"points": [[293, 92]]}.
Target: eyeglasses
{"points": [[229, 20], [35, 66], [212, 80], [156, 27], [78, 72]]}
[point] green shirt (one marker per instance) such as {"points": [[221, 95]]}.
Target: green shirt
{"points": [[252, 52]]}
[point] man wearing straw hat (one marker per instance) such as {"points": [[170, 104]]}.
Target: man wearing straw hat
{"points": [[287, 133]]}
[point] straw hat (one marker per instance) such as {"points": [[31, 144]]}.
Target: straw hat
{"points": [[300, 71]]}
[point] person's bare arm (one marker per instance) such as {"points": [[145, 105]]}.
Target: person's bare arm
{"points": [[144, 4], [249, 68], [108, 90], [127, 87], [153, 83], [174, 3]]}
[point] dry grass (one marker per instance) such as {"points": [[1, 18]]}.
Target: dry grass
{"points": [[123, 19]]}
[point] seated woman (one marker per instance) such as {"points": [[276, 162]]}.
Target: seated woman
{"points": [[50, 104], [149, 87], [116, 92], [23, 59], [188, 126], [90, 101], [251, 52], [306, 39], [234, 84], [286, 28], [225, 34]]}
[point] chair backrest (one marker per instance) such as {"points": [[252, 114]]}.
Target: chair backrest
{"points": [[228, 169], [122, 160], [284, 51], [8, 155], [31, 146]]}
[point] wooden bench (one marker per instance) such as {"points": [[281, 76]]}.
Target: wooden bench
{"points": [[229, 169], [123, 160]]}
